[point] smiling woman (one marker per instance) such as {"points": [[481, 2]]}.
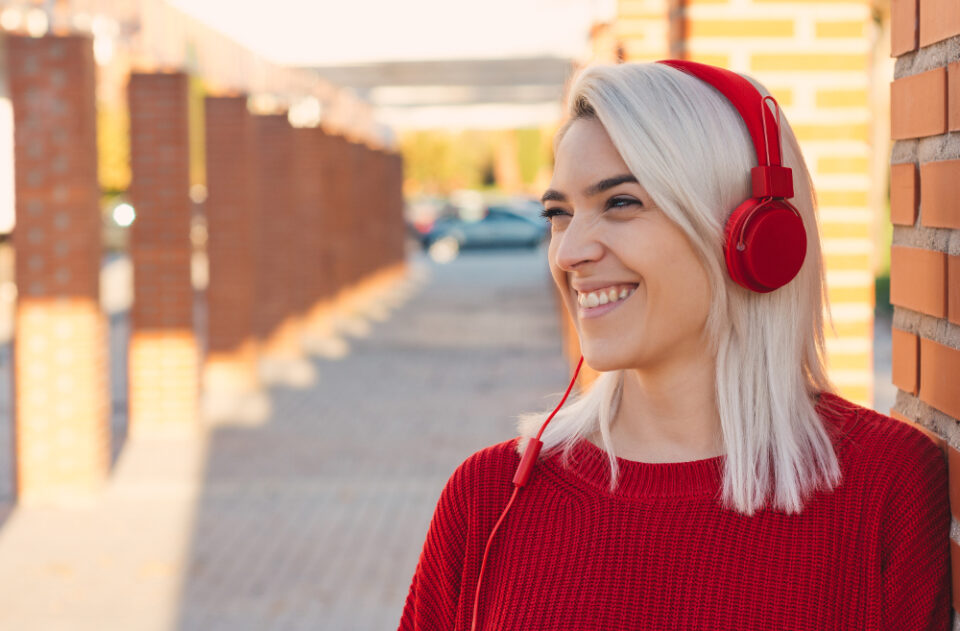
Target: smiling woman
{"points": [[711, 478]]}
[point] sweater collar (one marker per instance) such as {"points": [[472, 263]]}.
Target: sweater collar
{"points": [[588, 463], [695, 478]]}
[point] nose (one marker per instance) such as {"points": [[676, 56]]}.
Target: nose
{"points": [[577, 244]]}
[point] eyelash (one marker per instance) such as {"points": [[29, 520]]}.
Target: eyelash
{"points": [[549, 213]]}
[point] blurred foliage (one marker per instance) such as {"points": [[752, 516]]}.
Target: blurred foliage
{"points": [[439, 161], [881, 287], [883, 258], [530, 148], [113, 147], [197, 140]]}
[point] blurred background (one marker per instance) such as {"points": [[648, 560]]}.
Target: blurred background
{"points": [[270, 271]]}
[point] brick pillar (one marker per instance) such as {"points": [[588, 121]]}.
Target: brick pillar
{"points": [[230, 375], [925, 211], [61, 377], [348, 213], [398, 250], [308, 195], [315, 155], [164, 356], [338, 224], [278, 318], [369, 200]]}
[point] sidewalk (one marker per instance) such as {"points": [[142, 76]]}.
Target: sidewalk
{"points": [[314, 518]]}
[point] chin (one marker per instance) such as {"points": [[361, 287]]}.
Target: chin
{"points": [[602, 359]]}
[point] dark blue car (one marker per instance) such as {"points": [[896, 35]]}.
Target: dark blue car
{"points": [[499, 228]]}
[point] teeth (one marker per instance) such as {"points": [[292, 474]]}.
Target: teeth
{"points": [[595, 298]]}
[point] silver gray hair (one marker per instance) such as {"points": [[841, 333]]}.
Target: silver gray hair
{"points": [[689, 148]]}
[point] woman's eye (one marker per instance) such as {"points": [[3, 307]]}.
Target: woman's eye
{"points": [[623, 202], [616, 202], [550, 213]]}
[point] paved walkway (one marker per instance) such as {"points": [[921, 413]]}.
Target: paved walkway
{"points": [[314, 518]]}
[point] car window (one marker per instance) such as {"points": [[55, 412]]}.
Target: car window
{"points": [[495, 214]]}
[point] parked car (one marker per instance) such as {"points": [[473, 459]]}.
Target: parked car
{"points": [[498, 228]]}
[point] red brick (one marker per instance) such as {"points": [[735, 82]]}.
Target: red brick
{"points": [[903, 26], [918, 105], [939, 367], [60, 408], [953, 96], [161, 336], [918, 280], [953, 289], [939, 193], [903, 194], [231, 211], [939, 19], [906, 360], [310, 149], [277, 313]]}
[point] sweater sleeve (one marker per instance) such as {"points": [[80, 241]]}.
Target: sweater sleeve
{"points": [[916, 543], [431, 603]]}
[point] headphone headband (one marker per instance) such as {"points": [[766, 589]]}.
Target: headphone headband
{"points": [[770, 178]]}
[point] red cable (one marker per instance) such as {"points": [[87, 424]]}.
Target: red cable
{"points": [[520, 478]]}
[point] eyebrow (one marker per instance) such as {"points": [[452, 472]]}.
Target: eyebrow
{"points": [[553, 195]]}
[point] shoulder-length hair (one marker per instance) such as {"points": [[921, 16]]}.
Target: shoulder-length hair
{"points": [[689, 148]]}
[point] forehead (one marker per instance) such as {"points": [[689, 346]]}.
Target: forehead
{"points": [[585, 151]]}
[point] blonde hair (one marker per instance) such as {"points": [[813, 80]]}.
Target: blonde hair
{"points": [[689, 148]]}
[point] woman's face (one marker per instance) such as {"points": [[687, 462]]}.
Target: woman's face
{"points": [[608, 241]]}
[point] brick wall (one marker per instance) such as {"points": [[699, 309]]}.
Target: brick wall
{"points": [[163, 356], [925, 211], [336, 225], [310, 147], [231, 209], [61, 393], [278, 320], [322, 251]]}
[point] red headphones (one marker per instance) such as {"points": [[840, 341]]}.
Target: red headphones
{"points": [[765, 242], [764, 238]]}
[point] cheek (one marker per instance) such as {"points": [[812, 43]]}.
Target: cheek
{"points": [[674, 284], [688, 287]]}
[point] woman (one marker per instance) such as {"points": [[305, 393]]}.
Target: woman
{"points": [[711, 478]]}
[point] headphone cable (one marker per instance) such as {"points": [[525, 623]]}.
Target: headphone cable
{"points": [[520, 478]]}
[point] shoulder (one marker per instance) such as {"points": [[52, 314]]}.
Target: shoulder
{"points": [[490, 463], [486, 475], [878, 445]]}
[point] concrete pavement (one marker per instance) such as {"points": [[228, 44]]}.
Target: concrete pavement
{"points": [[312, 518]]}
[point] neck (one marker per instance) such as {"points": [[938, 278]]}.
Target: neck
{"points": [[668, 415]]}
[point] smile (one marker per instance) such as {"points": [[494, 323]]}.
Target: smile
{"points": [[600, 301]]}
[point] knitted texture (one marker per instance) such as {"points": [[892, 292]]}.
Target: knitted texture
{"points": [[661, 552]]}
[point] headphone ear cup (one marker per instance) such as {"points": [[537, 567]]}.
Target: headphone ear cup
{"points": [[772, 247]]}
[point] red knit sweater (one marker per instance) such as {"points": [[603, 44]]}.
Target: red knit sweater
{"points": [[661, 553]]}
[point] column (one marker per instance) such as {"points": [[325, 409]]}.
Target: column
{"points": [[164, 355]]}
